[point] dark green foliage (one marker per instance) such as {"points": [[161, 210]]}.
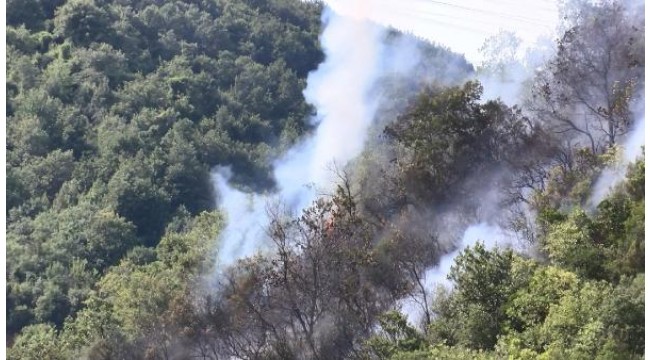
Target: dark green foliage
{"points": [[567, 303], [474, 315], [28, 13], [117, 111], [128, 302], [133, 194], [608, 244], [56, 257], [84, 22], [451, 136]]}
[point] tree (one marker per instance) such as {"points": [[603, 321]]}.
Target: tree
{"points": [[37, 341], [450, 136], [473, 314], [317, 295], [500, 52], [531, 304], [589, 90], [84, 22], [401, 261], [135, 197], [579, 325], [570, 244], [116, 113], [397, 336], [27, 13]]}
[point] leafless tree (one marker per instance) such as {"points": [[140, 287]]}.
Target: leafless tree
{"points": [[589, 88]]}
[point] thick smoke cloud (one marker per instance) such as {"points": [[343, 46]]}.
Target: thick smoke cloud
{"points": [[346, 92]]}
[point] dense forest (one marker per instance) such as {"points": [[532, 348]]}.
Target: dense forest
{"points": [[118, 111]]}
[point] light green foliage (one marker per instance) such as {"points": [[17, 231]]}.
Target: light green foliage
{"points": [[530, 305], [138, 297], [597, 320], [397, 336], [570, 244], [630, 253], [37, 342], [530, 310], [193, 244], [441, 352], [68, 250], [474, 314], [606, 245], [630, 248]]}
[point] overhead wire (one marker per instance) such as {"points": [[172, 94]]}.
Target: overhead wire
{"points": [[489, 12], [444, 21]]}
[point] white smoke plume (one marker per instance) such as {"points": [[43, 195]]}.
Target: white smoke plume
{"points": [[615, 173], [340, 90], [492, 236]]}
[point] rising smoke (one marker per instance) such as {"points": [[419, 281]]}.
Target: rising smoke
{"points": [[345, 93], [632, 149], [340, 90]]}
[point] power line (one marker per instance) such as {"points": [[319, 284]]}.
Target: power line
{"points": [[488, 12], [486, 21], [460, 25]]}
